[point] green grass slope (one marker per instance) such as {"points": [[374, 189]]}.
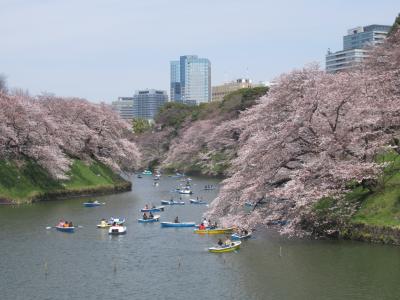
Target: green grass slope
{"points": [[369, 212], [382, 206], [25, 181]]}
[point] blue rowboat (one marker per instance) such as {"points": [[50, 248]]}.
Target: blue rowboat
{"points": [[237, 237], [65, 229], [92, 204], [155, 219], [168, 202], [194, 201], [147, 172], [154, 209], [183, 224]]}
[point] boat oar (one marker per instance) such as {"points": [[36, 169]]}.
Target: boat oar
{"points": [[49, 227]]}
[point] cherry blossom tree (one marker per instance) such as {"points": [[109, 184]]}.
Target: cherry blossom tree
{"points": [[52, 131], [309, 137]]}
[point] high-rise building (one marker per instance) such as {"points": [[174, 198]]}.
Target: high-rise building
{"points": [[147, 103], [175, 87], [124, 107], [356, 46], [191, 80]]}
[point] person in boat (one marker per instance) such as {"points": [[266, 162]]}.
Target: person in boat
{"points": [[151, 216], [202, 227], [145, 216], [66, 224], [103, 222], [227, 242], [61, 223], [176, 220], [114, 223], [146, 206], [205, 222], [70, 224], [220, 243], [244, 231]]}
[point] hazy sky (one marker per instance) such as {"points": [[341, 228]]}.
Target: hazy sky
{"points": [[102, 49]]}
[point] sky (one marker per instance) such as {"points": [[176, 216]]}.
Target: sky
{"points": [[103, 49]]}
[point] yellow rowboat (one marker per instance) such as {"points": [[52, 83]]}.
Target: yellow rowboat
{"points": [[221, 249], [214, 231], [104, 225]]}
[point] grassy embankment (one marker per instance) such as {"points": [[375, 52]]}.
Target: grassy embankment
{"points": [[371, 212], [25, 181]]}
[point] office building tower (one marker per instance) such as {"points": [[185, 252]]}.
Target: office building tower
{"points": [[191, 80], [147, 103], [175, 88], [356, 45], [220, 91], [124, 107]]}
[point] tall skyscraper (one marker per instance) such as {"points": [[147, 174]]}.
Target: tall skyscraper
{"points": [[355, 47], [191, 80], [147, 103], [175, 91]]}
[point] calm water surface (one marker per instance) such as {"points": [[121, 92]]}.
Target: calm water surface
{"points": [[163, 263]]}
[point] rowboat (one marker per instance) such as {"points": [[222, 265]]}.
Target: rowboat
{"points": [[195, 201], [65, 229], [110, 222], [105, 225], [185, 191], [118, 221], [209, 188], [117, 230], [183, 224], [237, 236], [156, 218], [153, 209], [221, 249], [177, 175], [147, 172], [169, 202], [213, 231], [92, 204]]}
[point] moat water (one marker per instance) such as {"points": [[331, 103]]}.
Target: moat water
{"points": [[168, 263]]}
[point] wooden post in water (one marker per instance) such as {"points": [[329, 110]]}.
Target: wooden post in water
{"points": [[46, 270]]}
